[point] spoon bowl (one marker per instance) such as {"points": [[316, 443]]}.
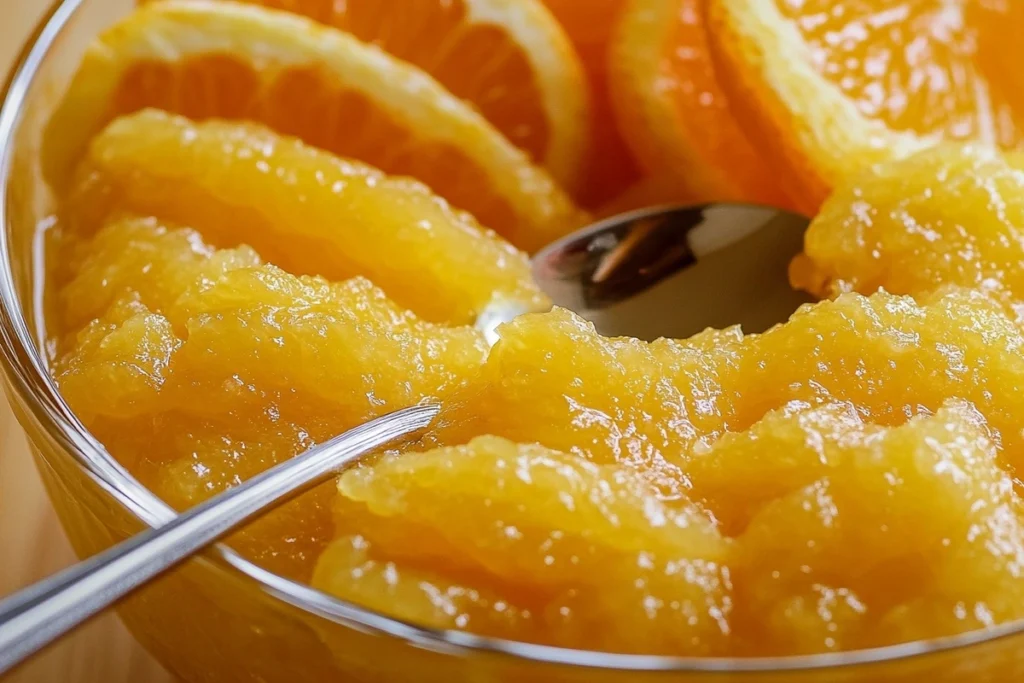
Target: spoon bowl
{"points": [[675, 271]]}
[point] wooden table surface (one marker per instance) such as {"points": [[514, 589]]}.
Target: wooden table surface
{"points": [[32, 544]]}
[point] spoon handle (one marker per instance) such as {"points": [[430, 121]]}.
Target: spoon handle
{"points": [[37, 615]]}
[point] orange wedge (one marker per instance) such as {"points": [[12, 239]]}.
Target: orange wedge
{"points": [[510, 60], [828, 89], [672, 111], [610, 167], [216, 59]]}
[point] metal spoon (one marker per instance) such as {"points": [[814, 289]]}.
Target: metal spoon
{"points": [[672, 271], [664, 272], [41, 613]]}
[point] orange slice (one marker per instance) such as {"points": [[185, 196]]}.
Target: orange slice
{"points": [[583, 557], [212, 59], [828, 89], [610, 166], [672, 111], [510, 60]]}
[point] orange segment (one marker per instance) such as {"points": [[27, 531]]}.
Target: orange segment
{"points": [[828, 89], [587, 550], [953, 215], [199, 368], [206, 59], [672, 111], [510, 60], [550, 379], [610, 166], [230, 336], [304, 210], [354, 570], [899, 529]]}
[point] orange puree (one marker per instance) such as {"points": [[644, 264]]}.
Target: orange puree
{"points": [[845, 480], [269, 231], [952, 215]]}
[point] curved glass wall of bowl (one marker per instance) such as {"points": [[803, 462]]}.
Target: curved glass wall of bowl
{"points": [[369, 644]]}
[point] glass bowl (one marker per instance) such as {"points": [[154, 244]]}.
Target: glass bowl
{"points": [[221, 618]]}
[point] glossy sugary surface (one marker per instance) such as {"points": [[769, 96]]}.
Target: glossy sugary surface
{"points": [[610, 494], [198, 368], [551, 379], [891, 534], [838, 523], [955, 213], [278, 318], [873, 535], [560, 550], [222, 297], [304, 209]]}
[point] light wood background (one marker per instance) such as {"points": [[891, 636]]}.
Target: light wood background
{"points": [[32, 544]]}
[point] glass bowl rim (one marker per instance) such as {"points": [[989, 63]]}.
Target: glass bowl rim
{"points": [[24, 368]]}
